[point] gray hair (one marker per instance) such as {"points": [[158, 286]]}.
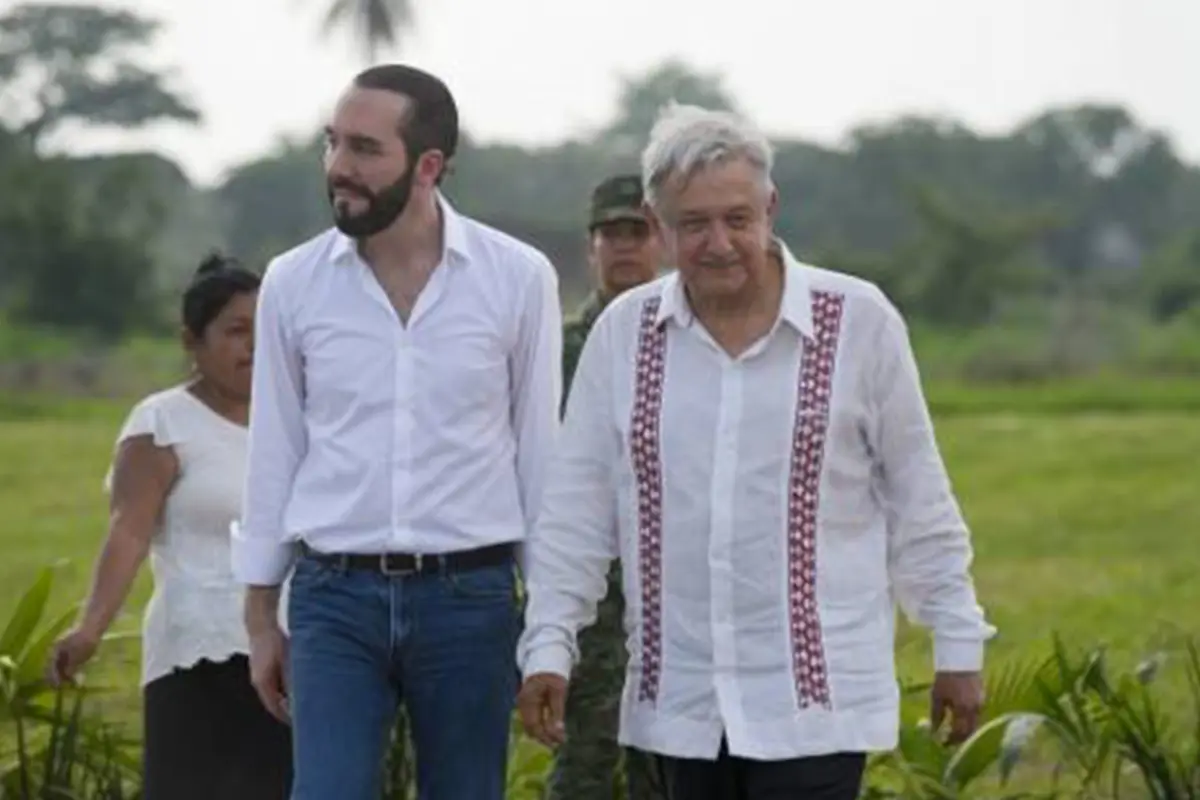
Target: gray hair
{"points": [[686, 139]]}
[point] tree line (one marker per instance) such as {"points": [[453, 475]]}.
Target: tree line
{"points": [[1080, 215]]}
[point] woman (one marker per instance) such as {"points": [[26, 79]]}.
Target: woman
{"points": [[176, 488]]}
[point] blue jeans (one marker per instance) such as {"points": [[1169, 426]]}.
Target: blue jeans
{"points": [[363, 642]]}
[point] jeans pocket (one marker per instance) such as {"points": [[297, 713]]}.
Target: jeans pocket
{"points": [[488, 583], [311, 574]]}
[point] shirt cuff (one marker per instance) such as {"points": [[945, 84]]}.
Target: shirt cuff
{"points": [[553, 658], [258, 561], [957, 655]]}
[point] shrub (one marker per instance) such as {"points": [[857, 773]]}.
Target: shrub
{"points": [[56, 750], [1099, 736], [1084, 730]]}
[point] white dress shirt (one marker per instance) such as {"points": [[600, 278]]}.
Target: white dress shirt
{"points": [[767, 509], [368, 435]]}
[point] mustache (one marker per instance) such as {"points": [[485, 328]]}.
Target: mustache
{"points": [[353, 188]]}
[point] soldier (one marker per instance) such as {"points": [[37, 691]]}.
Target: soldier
{"points": [[623, 253]]}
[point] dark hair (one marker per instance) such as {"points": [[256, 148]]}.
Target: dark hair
{"points": [[214, 284], [432, 121]]}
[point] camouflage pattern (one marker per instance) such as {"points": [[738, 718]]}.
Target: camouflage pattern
{"points": [[589, 765], [615, 199], [575, 332]]}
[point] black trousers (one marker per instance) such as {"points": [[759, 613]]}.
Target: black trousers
{"points": [[207, 737], [832, 777]]}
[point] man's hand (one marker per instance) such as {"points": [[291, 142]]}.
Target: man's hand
{"points": [[268, 670], [960, 694], [542, 703]]}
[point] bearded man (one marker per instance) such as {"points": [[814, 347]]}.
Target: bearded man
{"points": [[406, 394]]}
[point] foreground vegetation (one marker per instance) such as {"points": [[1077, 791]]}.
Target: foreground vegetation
{"points": [[1082, 500]]}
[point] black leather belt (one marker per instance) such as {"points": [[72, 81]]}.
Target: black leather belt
{"points": [[400, 564]]}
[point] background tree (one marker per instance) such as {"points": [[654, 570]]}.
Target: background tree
{"points": [[1077, 224], [1172, 280], [77, 63], [643, 96], [269, 205], [964, 262], [374, 24], [78, 240], [74, 271]]}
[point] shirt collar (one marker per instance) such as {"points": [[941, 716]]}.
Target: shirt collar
{"points": [[795, 308], [454, 237]]}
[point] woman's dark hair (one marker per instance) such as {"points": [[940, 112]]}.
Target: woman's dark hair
{"points": [[214, 284]]}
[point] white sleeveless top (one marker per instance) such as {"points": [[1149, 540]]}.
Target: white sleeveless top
{"points": [[195, 611]]}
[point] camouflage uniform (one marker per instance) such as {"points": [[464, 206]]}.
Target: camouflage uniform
{"points": [[588, 765], [575, 333]]}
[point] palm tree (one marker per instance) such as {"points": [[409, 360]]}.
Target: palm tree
{"points": [[375, 23]]}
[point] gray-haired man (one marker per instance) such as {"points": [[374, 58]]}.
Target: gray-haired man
{"points": [[749, 436]]}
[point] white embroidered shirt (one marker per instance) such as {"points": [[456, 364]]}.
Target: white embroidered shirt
{"points": [[768, 510]]}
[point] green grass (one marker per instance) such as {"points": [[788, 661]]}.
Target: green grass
{"points": [[1082, 499], [1086, 524], [1095, 394]]}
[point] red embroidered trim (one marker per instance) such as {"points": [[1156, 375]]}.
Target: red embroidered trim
{"points": [[808, 445], [808, 449], [647, 468]]}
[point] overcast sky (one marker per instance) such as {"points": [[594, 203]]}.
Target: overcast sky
{"points": [[536, 71]]}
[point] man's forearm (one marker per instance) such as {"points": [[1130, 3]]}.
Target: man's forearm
{"points": [[261, 609]]}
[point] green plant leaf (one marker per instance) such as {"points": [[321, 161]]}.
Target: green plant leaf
{"points": [[33, 661], [987, 745], [28, 613]]}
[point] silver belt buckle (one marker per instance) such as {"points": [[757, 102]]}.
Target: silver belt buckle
{"points": [[399, 573]]}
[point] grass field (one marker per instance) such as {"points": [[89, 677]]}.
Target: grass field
{"points": [[1083, 500]]}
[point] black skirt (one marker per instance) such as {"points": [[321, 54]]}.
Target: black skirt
{"points": [[208, 737]]}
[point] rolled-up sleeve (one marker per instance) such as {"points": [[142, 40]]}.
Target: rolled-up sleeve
{"points": [[930, 547], [537, 387], [575, 539], [261, 553]]}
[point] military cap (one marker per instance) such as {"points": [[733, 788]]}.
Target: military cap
{"points": [[617, 198]]}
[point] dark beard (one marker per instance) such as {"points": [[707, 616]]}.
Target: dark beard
{"points": [[383, 207]]}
